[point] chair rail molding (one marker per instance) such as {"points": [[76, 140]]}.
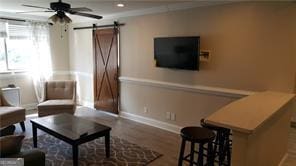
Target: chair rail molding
{"points": [[217, 91]]}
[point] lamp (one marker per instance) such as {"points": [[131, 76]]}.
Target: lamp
{"points": [[60, 17]]}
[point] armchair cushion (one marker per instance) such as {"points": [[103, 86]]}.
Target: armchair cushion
{"points": [[59, 97], [10, 144], [11, 115], [57, 104]]}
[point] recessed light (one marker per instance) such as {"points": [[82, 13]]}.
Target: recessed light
{"points": [[120, 5]]}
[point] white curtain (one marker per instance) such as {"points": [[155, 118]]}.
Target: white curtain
{"points": [[41, 67], [3, 29]]}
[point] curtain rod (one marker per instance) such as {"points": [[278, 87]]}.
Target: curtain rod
{"points": [[21, 20], [12, 19], [116, 24]]}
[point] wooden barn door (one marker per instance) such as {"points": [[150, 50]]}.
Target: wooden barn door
{"points": [[106, 69]]}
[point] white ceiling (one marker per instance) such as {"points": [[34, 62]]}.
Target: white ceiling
{"points": [[105, 8]]}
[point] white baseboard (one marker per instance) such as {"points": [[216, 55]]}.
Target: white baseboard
{"points": [[144, 120], [151, 122], [86, 103], [283, 159], [30, 106]]}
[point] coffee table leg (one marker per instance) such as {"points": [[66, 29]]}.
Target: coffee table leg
{"points": [[75, 155], [107, 144], [34, 135]]}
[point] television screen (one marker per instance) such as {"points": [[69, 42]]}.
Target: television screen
{"points": [[177, 52]]}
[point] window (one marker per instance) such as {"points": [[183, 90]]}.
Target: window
{"points": [[15, 47], [2, 55]]}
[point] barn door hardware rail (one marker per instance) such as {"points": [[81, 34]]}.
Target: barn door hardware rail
{"points": [[115, 24]]}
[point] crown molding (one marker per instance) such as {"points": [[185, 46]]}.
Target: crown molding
{"points": [[159, 9]]}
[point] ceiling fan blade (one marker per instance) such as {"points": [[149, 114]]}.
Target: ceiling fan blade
{"points": [[36, 7], [36, 11], [86, 15], [81, 9]]}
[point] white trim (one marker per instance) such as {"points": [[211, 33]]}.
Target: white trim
{"points": [[16, 75], [85, 74], [151, 122], [86, 104], [283, 159], [233, 93], [61, 72], [225, 92], [110, 114], [91, 106], [30, 106]]}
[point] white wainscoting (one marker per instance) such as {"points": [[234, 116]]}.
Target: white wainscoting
{"points": [[207, 90], [232, 93]]}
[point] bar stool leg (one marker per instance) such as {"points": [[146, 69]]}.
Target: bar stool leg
{"points": [[192, 153], [200, 155], [221, 149], [180, 163], [210, 155]]}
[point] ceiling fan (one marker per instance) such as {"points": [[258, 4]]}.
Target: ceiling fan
{"points": [[61, 9]]}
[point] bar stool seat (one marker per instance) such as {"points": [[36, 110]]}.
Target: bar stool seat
{"points": [[201, 136], [197, 134]]}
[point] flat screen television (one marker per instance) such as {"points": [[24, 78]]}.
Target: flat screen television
{"points": [[177, 52]]}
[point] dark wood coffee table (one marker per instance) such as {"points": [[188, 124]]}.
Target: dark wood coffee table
{"points": [[73, 130]]}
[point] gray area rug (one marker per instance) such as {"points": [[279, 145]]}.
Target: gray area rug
{"points": [[123, 153]]}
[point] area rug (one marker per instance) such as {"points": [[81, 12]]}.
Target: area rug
{"points": [[123, 153]]}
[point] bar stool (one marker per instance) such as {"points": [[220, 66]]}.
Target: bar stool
{"points": [[222, 143], [199, 135]]}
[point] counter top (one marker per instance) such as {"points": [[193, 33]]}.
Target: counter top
{"points": [[247, 114]]}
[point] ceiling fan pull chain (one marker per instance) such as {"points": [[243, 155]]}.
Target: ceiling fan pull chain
{"points": [[61, 26]]}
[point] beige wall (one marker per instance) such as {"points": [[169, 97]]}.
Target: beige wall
{"points": [[60, 65], [252, 47], [25, 83]]}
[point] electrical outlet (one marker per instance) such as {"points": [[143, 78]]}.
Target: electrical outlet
{"points": [[173, 116], [145, 110], [168, 115]]}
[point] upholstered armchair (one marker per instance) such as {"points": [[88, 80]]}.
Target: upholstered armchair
{"points": [[59, 97], [10, 114]]}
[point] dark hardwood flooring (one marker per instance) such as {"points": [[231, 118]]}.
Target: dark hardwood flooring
{"points": [[159, 140]]}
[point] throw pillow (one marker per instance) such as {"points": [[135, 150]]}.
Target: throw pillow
{"points": [[10, 144]]}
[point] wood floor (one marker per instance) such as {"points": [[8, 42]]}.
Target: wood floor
{"points": [[159, 140]]}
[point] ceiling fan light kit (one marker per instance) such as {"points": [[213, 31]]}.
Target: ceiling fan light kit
{"points": [[60, 17], [61, 9]]}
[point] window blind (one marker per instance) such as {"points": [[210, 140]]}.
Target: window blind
{"points": [[18, 31]]}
